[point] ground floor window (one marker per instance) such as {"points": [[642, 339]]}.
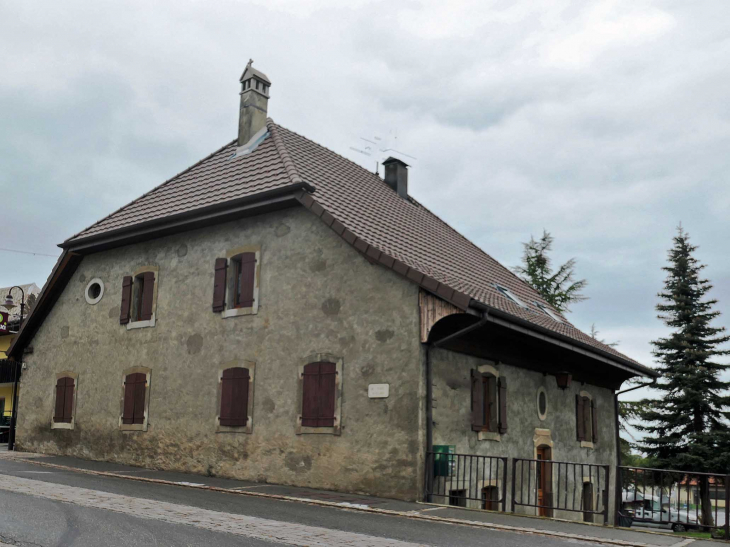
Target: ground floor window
{"points": [[135, 399]]}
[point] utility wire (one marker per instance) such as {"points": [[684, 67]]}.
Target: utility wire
{"points": [[27, 253]]}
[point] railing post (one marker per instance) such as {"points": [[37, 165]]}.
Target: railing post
{"points": [[727, 508], [504, 484], [514, 482], [607, 469]]}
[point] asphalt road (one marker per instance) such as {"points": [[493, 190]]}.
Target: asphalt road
{"points": [[42, 507]]}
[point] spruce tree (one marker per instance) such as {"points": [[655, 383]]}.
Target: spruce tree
{"points": [[558, 287], [687, 426]]}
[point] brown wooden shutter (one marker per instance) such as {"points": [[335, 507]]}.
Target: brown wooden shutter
{"points": [[579, 423], [477, 401], [234, 397], [319, 393], [219, 285], [68, 400], [140, 392], [327, 394], [247, 280], [148, 292], [126, 299], [310, 395], [492, 407], [587, 420], [595, 422], [129, 385], [503, 405], [60, 395]]}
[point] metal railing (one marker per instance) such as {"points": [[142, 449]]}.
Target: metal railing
{"points": [[551, 486], [679, 499], [466, 480]]}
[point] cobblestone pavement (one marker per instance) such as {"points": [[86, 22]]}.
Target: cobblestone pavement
{"points": [[252, 527]]}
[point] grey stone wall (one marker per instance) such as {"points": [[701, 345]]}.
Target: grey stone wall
{"points": [[452, 417], [317, 295]]}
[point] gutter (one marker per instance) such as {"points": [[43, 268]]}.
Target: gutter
{"points": [[499, 317]]}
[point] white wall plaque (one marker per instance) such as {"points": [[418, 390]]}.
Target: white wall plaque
{"points": [[378, 391]]}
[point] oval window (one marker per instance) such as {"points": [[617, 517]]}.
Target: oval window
{"points": [[542, 403], [94, 291]]}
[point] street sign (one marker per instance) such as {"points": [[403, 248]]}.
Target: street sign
{"points": [[4, 326]]}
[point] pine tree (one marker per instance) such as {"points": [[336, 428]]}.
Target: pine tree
{"points": [[687, 427], [557, 288]]}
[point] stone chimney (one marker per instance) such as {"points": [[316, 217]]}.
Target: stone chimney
{"points": [[396, 176], [254, 103]]}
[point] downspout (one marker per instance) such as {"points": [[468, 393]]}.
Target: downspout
{"points": [[429, 393], [619, 487]]}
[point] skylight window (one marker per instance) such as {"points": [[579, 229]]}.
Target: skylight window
{"points": [[549, 312], [512, 296]]}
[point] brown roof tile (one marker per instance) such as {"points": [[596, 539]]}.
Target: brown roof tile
{"points": [[358, 205]]}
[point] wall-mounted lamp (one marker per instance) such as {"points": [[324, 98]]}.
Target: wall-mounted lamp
{"points": [[564, 379]]}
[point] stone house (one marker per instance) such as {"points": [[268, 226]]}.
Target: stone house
{"points": [[278, 313]]}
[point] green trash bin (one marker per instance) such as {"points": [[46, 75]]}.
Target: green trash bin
{"points": [[443, 460]]}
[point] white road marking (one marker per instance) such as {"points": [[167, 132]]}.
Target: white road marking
{"points": [[280, 532], [39, 472]]}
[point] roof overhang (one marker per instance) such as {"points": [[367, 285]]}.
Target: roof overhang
{"points": [[263, 202], [498, 317]]}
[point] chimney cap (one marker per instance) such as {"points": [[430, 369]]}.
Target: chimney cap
{"points": [[251, 72], [391, 159]]}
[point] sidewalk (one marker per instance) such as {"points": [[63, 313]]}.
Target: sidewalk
{"points": [[488, 520]]}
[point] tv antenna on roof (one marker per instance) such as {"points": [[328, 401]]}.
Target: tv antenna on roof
{"points": [[381, 149]]}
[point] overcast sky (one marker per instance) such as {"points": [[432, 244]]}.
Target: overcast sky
{"points": [[605, 122]]}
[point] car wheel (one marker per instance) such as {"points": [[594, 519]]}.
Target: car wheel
{"points": [[679, 527]]}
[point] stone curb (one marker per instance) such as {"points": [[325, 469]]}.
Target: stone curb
{"points": [[31, 459]]}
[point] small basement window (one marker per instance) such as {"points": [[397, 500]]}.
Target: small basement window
{"points": [[510, 295], [549, 312]]}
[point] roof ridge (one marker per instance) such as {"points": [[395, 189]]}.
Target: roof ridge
{"points": [[150, 191], [286, 158], [348, 160]]}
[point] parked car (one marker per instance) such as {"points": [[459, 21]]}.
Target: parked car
{"points": [[647, 510]]}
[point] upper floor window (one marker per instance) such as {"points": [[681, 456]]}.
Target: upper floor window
{"points": [[64, 403], [236, 282], [488, 402], [586, 419], [139, 298], [320, 382]]}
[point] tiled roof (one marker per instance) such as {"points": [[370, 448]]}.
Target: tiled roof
{"points": [[359, 206]]}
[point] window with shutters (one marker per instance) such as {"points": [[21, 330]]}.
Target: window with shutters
{"points": [[586, 420], [488, 403], [235, 397], [320, 395], [236, 282], [139, 298], [64, 400], [135, 402]]}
